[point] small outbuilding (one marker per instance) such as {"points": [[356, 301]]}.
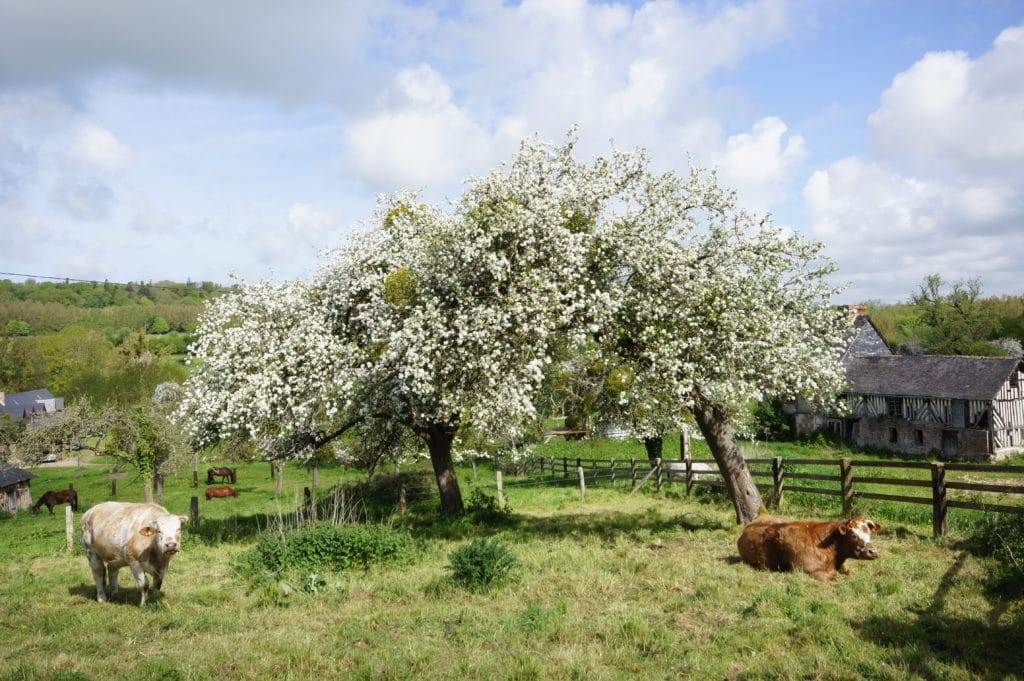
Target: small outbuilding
{"points": [[15, 490]]}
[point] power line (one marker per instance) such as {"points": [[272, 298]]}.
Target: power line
{"points": [[169, 287]]}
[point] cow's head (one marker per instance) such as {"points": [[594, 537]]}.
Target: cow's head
{"points": [[856, 534], [166, 531]]}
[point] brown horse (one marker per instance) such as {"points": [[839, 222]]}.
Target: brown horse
{"points": [[223, 472], [54, 498], [220, 492]]}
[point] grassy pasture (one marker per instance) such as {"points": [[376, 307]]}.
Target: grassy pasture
{"points": [[619, 587]]}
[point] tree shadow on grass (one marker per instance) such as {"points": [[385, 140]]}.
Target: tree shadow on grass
{"points": [[126, 595], [931, 639]]}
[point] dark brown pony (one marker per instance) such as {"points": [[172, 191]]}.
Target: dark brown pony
{"points": [[223, 472], [52, 498], [220, 492]]}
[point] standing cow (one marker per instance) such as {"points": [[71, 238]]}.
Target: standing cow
{"points": [[143, 537], [818, 548]]}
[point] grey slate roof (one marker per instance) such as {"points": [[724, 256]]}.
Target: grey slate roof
{"points": [[962, 378], [10, 475], [866, 339], [20, 405]]}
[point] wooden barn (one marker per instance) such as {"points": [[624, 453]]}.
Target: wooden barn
{"points": [[956, 407], [15, 491]]}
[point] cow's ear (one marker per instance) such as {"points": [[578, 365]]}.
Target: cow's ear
{"points": [[844, 528], [148, 531], [873, 526], [183, 518]]}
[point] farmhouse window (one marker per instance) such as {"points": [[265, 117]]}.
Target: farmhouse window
{"points": [[894, 435], [919, 437], [894, 406]]}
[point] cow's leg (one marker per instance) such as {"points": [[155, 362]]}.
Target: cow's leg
{"points": [[158, 580], [140, 578], [99, 574], [112, 573]]}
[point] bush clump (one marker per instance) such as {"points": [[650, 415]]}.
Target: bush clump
{"points": [[323, 546], [1002, 538], [482, 564], [484, 509]]}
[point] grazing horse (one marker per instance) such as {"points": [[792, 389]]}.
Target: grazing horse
{"points": [[53, 498], [223, 472]]}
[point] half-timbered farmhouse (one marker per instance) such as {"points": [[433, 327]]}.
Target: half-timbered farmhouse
{"points": [[955, 407], [961, 407]]}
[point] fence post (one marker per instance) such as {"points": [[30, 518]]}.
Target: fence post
{"points": [[194, 512], [846, 474], [501, 490], [632, 472], [69, 526], [689, 472], [684, 443], [542, 466], [657, 463], [778, 480], [613, 472], [593, 471], [583, 483], [195, 478], [113, 488], [565, 467], [307, 501], [938, 499], [403, 504]]}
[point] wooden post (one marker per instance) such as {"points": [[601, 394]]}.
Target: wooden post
{"points": [[194, 512], [778, 480], [684, 443], [565, 467], [273, 470], [938, 499], [846, 474], [542, 466], [69, 526], [613, 471], [280, 476], [403, 499], [594, 470], [472, 462], [689, 473], [501, 490], [195, 478], [657, 464], [307, 502], [583, 483], [234, 475], [113, 488], [632, 472]]}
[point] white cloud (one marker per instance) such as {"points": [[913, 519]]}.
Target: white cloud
{"points": [[305, 232], [761, 164], [888, 230], [149, 218], [97, 150], [422, 141], [949, 113]]}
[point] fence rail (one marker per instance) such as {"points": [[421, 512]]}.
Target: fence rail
{"points": [[854, 480]]}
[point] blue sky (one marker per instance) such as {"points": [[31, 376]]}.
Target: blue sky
{"points": [[191, 140]]}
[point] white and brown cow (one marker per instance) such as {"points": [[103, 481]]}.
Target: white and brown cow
{"points": [[143, 537], [818, 548]]}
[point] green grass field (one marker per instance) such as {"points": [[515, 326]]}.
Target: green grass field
{"points": [[618, 587]]}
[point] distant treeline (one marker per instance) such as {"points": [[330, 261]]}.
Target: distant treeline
{"points": [[107, 294], [41, 308]]}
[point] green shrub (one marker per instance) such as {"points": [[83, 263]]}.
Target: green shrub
{"points": [[328, 547], [1002, 538], [482, 564], [483, 508]]}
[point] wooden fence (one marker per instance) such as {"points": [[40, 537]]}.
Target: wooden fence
{"points": [[849, 480]]}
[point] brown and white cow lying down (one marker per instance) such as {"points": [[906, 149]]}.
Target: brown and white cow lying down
{"points": [[818, 548], [143, 537], [220, 492]]}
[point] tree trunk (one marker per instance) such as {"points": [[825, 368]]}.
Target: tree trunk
{"points": [[653, 447], [147, 489], [439, 443], [158, 485], [721, 438]]}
